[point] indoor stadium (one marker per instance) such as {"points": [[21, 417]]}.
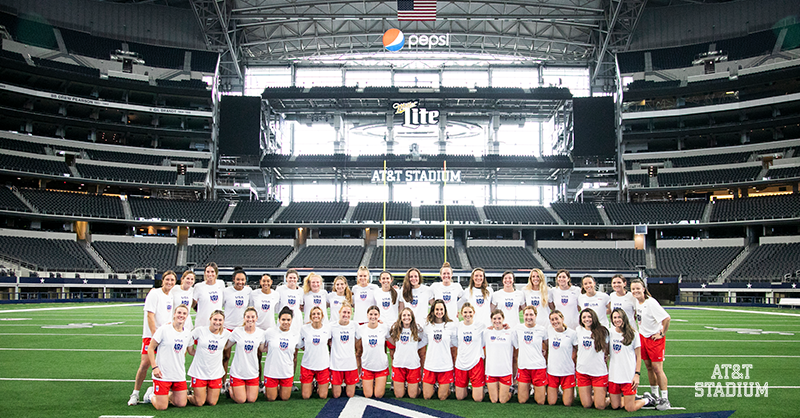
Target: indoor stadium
{"points": [[271, 190]]}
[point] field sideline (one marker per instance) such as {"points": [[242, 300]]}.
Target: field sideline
{"points": [[87, 369]]}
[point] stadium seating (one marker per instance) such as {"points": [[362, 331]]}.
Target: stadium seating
{"points": [[9, 201], [75, 204], [328, 256], [769, 263], [767, 207], [22, 146], [714, 159], [124, 157], [124, 257], [694, 263], [33, 165], [455, 213], [178, 210], [246, 256], [593, 258], [373, 212], [254, 211], [502, 258], [696, 177], [578, 213], [124, 174], [314, 212], [518, 215], [193, 176], [422, 257], [655, 212], [48, 254], [784, 172]]}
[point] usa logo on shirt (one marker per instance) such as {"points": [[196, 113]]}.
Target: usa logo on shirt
{"points": [[564, 300], [239, 301], [386, 304], [587, 343], [178, 346], [248, 346], [344, 337], [265, 305], [212, 346], [556, 343], [479, 301], [317, 300], [404, 338], [373, 341], [616, 347], [316, 340], [185, 301], [363, 296], [492, 338], [169, 307], [468, 338], [437, 336], [528, 338], [284, 344], [291, 300], [214, 297], [535, 302], [446, 297], [509, 304], [414, 301]]}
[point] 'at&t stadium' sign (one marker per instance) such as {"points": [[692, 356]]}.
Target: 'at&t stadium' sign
{"points": [[411, 176]]}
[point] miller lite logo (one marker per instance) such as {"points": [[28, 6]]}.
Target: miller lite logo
{"points": [[564, 300], [413, 115], [446, 297], [178, 346], [528, 338], [587, 343], [316, 340], [437, 336], [317, 300], [291, 300], [265, 305], [248, 346], [239, 301], [386, 304], [373, 341], [214, 297], [344, 337], [479, 301], [284, 344], [616, 346]]}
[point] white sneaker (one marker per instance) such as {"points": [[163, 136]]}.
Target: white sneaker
{"points": [[148, 396], [649, 400], [663, 404], [226, 386], [262, 388], [134, 399]]}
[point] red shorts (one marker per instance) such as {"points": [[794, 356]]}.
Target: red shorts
{"points": [[145, 344], [235, 381], [389, 345], [653, 350], [164, 388], [370, 375], [593, 381], [307, 376], [284, 383], [565, 382], [349, 377], [535, 377], [626, 389], [442, 378], [476, 375], [411, 376], [504, 380], [212, 384]]}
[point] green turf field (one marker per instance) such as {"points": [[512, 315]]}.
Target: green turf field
{"points": [[88, 372]]}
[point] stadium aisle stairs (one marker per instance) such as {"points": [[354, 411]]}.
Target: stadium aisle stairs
{"points": [[24, 200], [735, 263], [227, 216], [126, 208], [539, 258], [291, 256], [554, 215], [481, 216], [462, 253], [604, 215], [368, 256], [706, 218], [277, 212], [97, 257], [349, 215]]}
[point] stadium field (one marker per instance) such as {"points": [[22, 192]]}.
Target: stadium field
{"points": [[79, 360]]}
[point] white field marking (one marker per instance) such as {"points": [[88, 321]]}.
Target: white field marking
{"points": [[671, 330], [37, 379], [72, 349], [718, 355], [678, 320], [118, 326], [770, 387], [727, 341], [47, 334], [15, 319], [68, 308], [744, 311], [127, 416]]}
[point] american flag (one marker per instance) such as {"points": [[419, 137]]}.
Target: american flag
{"points": [[416, 9]]}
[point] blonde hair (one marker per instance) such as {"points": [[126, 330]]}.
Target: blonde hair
{"points": [[543, 289], [249, 309], [307, 282], [348, 294]]}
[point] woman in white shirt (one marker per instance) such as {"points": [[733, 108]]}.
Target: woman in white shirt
{"points": [[340, 293], [441, 352], [531, 363], [182, 294], [363, 295], [371, 349], [509, 300], [410, 343], [314, 296], [536, 295], [561, 357], [292, 296], [564, 297], [470, 366], [624, 367], [314, 340], [280, 344], [416, 295], [206, 370], [591, 370], [387, 299], [169, 365], [344, 367], [266, 302], [653, 325], [501, 350], [622, 298], [594, 300], [447, 291], [249, 340], [479, 295]]}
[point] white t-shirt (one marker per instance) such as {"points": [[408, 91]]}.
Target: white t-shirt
{"points": [[310, 300], [622, 366], [649, 316], [440, 338], [628, 304], [363, 298], [183, 297], [500, 345], [292, 298], [509, 303], [529, 341], [314, 343], [420, 302], [470, 345], [598, 303], [280, 353], [236, 301], [265, 306], [336, 303], [245, 358], [406, 353], [481, 305], [559, 352], [343, 346], [389, 310], [373, 344], [209, 299], [590, 362], [171, 354], [207, 363], [534, 298], [161, 305], [449, 294], [566, 301]]}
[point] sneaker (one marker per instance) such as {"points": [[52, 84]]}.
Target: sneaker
{"points": [[262, 388], [295, 388], [226, 386], [148, 396], [649, 400], [663, 404], [134, 399]]}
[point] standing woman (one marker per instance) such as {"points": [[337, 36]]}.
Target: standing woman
{"points": [[564, 297], [592, 372], [344, 368], [207, 296], [280, 344], [624, 367], [157, 312], [237, 298], [501, 358], [410, 343], [363, 296], [441, 353], [248, 339], [387, 300], [264, 301], [592, 299], [446, 290], [470, 366], [292, 296], [561, 356], [536, 295], [532, 366], [416, 295], [653, 325], [508, 300], [169, 365], [206, 370], [182, 295], [340, 293], [314, 340], [314, 296], [622, 299], [371, 349], [479, 295]]}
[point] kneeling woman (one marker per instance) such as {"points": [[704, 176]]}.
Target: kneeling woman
{"points": [[441, 352], [561, 356], [249, 340], [314, 340], [626, 362], [532, 367], [501, 359], [591, 367], [371, 348], [169, 368], [206, 369], [281, 347], [410, 343], [344, 368], [470, 367]]}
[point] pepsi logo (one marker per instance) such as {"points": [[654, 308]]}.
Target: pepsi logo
{"points": [[393, 40]]}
